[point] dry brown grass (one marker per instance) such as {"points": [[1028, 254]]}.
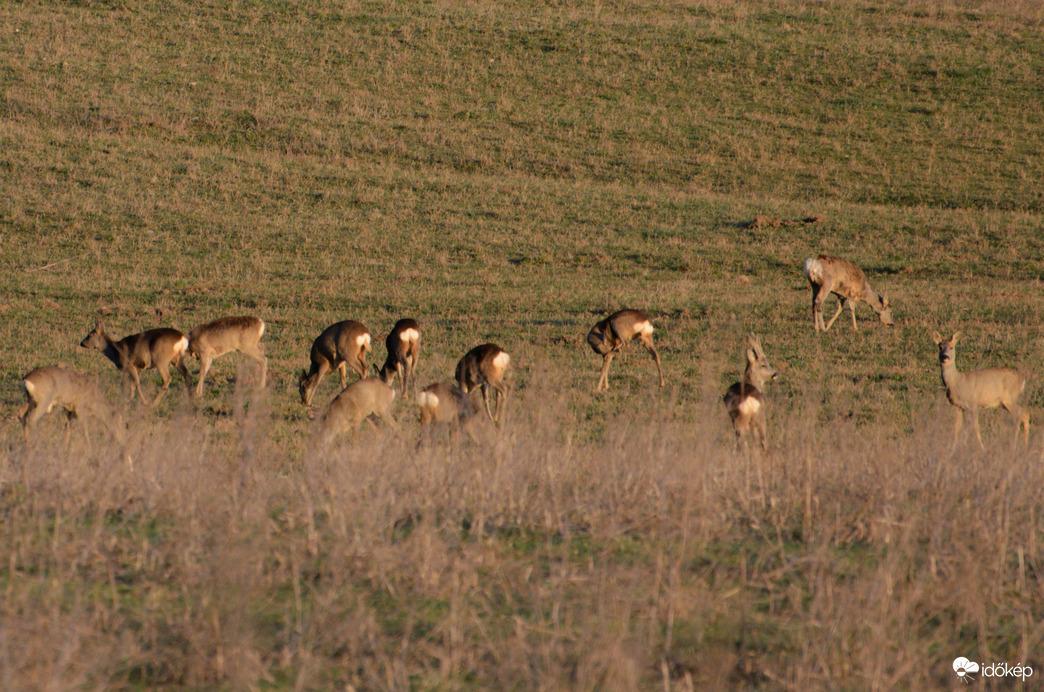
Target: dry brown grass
{"points": [[657, 556]]}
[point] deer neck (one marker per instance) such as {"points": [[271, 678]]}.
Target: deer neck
{"points": [[113, 352], [751, 378], [951, 376]]}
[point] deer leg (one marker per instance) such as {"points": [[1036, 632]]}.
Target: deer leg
{"points": [[603, 381], [840, 307], [851, 306], [204, 367], [502, 395], [817, 310], [759, 426], [485, 399], [26, 416], [648, 343], [257, 355], [359, 366], [183, 369], [164, 371], [975, 425]]}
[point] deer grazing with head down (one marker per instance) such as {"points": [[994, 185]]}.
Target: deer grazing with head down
{"points": [[834, 275], [155, 348], [77, 394], [403, 344], [356, 403], [485, 366], [611, 335], [745, 400], [977, 389], [226, 335], [341, 345]]}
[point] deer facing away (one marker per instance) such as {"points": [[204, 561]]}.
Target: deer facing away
{"points": [[611, 335], [976, 389], [155, 348], [359, 400], [485, 366], [77, 394], [848, 282], [226, 335], [745, 400], [341, 345], [403, 345]]}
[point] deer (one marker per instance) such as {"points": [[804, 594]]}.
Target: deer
{"points": [[155, 348], [485, 366], [403, 344], [745, 400], [356, 403], [614, 333], [977, 389], [226, 335], [445, 404], [77, 394], [834, 275], [340, 346]]}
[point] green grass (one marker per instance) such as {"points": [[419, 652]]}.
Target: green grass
{"points": [[512, 172]]}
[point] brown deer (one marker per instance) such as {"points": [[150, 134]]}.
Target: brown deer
{"points": [[612, 334], [155, 348], [77, 394], [745, 400], [848, 282], [485, 366], [356, 403], [340, 346], [226, 335], [403, 344], [977, 389]]}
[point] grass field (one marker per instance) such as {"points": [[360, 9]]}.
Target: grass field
{"points": [[512, 172]]}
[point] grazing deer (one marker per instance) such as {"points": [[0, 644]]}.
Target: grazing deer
{"points": [[485, 365], [612, 334], [226, 335], [356, 403], [848, 282], [53, 386], [340, 345], [445, 404], [403, 345], [976, 389], [744, 400], [155, 348]]}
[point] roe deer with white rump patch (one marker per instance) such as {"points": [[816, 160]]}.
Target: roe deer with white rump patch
{"points": [[745, 400], [976, 389], [226, 335], [485, 366], [403, 344], [155, 348], [848, 282], [77, 394], [611, 335], [340, 346]]}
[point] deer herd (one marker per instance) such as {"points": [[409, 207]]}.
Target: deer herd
{"points": [[345, 344]]}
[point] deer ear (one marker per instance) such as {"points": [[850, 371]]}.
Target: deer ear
{"points": [[936, 337], [956, 334], [884, 301]]}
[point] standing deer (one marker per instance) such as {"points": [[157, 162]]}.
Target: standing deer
{"points": [[976, 389], [356, 403], [155, 348], [340, 345], [403, 344], [744, 400], [848, 282], [52, 386], [226, 335], [485, 365], [612, 334]]}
